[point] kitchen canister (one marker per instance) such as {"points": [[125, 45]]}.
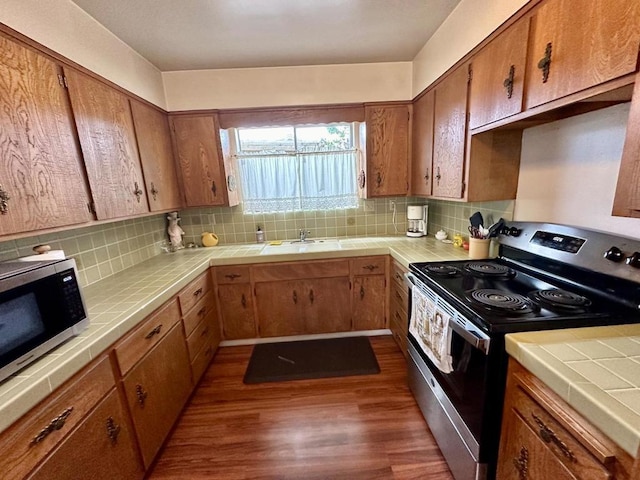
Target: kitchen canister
{"points": [[479, 248]]}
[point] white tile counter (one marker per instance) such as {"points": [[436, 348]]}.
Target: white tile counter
{"points": [[120, 302], [596, 370]]}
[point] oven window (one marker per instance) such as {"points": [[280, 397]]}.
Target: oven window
{"points": [[20, 322]]}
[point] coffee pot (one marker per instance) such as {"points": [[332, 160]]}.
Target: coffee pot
{"points": [[417, 217]]}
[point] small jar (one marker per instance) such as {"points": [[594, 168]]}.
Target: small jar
{"points": [[259, 235]]}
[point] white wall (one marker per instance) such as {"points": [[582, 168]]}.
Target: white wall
{"points": [[569, 170], [281, 86], [65, 28], [469, 23]]}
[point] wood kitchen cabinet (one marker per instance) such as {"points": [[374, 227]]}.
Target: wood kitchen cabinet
{"points": [[105, 126], [498, 73], [369, 293], [156, 378], [387, 150], [422, 144], [543, 437], [235, 301], [302, 298], [156, 155], [572, 49], [42, 179], [450, 131], [398, 306], [200, 160]]}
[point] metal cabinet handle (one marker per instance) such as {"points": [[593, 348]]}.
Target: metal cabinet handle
{"points": [[154, 191], [311, 298], [197, 292], [214, 189], [243, 301], [202, 311], [548, 435], [522, 464], [55, 424], [370, 267], [426, 176], [361, 179], [113, 430], [361, 292], [295, 297], [398, 296], [154, 331], [379, 179], [4, 201], [545, 63], [508, 82], [136, 191], [438, 176], [232, 276], [204, 332], [141, 394]]}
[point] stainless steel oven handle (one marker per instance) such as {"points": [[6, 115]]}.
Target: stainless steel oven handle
{"points": [[470, 337], [410, 280]]}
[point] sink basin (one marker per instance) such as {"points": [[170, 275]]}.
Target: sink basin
{"points": [[296, 246]]}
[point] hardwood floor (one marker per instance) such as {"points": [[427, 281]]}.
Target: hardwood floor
{"points": [[362, 427]]}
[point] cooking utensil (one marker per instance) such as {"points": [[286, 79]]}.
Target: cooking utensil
{"points": [[476, 220], [494, 229]]}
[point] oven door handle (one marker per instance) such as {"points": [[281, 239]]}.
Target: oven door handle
{"points": [[470, 337], [410, 280]]}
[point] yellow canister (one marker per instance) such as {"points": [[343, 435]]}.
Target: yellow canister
{"points": [[209, 239]]}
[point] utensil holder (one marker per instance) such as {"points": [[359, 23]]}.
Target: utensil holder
{"points": [[479, 248]]}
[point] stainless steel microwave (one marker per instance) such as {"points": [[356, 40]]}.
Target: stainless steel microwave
{"points": [[41, 306]]}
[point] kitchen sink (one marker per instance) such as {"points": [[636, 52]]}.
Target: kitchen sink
{"points": [[296, 246]]}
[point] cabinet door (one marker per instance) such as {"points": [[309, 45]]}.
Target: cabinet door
{"points": [[42, 178], [101, 448], [586, 46], [280, 308], [449, 134], [422, 141], [105, 126], [156, 156], [236, 310], [387, 149], [368, 302], [157, 389], [199, 160], [498, 76], [326, 307]]}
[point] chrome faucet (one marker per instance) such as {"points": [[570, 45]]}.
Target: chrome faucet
{"points": [[303, 234]]}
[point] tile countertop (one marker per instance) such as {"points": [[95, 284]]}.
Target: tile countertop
{"points": [[118, 303], [596, 370]]}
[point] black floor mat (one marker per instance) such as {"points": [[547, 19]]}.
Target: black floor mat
{"points": [[333, 357]]}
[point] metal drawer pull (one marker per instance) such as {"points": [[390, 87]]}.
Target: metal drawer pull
{"points": [[508, 82], [370, 267], [155, 331], [55, 424], [379, 180], [197, 292], [548, 435], [243, 301], [202, 311], [522, 464], [232, 276], [214, 189], [204, 332], [154, 191], [137, 192], [311, 295], [141, 394], [295, 297], [361, 292], [113, 430], [545, 63], [398, 296]]}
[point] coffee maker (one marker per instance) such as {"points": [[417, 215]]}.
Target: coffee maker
{"points": [[417, 216]]}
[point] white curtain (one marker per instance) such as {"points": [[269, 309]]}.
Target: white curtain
{"points": [[303, 181]]}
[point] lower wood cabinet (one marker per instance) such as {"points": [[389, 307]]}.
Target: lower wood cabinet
{"points": [[157, 389], [236, 310], [368, 301], [543, 437], [101, 448], [398, 307]]}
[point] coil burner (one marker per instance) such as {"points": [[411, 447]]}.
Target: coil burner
{"points": [[498, 301], [557, 299], [486, 269]]}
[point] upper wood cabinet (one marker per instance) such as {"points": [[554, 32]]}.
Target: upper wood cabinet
{"points": [[422, 145], [156, 156], [576, 48], [105, 127], [450, 131], [496, 91], [42, 180], [200, 161], [387, 150]]}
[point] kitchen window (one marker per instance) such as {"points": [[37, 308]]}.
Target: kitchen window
{"points": [[296, 168]]}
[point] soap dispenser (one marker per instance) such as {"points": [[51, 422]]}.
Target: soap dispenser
{"points": [[259, 235]]}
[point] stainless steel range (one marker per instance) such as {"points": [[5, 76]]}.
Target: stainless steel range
{"points": [[545, 277]]}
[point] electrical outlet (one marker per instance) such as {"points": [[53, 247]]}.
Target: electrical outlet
{"points": [[369, 206], [392, 206]]}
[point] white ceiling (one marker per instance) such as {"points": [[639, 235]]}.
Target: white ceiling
{"points": [[205, 34]]}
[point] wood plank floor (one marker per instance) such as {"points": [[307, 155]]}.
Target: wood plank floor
{"points": [[362, 427]]}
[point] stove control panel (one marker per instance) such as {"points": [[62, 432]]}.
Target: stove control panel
{"points": [[557, 241]]}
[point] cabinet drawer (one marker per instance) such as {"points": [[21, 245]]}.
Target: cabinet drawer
{"points": [[369, 265], [400, 293], [201, 362], [148, 334], [101, 448], [398, 313], [198, 312], [201, 336], [299, 270], [397, 274], [565, 448], [29, 440], [232, 274], [193, 292]]}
